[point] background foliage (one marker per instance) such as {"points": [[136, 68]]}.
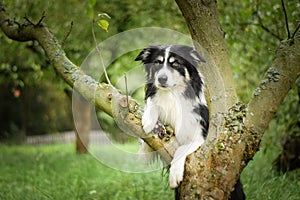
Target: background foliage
{"points": [[29, 85], [30, 70]]}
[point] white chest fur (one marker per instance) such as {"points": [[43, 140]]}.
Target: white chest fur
{"points": [[176, 110]]}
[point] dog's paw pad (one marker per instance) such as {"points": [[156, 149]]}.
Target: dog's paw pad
{"points": [[147, 128], [148, 121]]}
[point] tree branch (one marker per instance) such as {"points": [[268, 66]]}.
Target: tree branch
{"points": [[104, 96], [272, 90], [261, 24], [286, 20], [66, 36], [296, 30]]}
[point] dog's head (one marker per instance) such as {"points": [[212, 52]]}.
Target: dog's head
{"points": [[170, 66]]}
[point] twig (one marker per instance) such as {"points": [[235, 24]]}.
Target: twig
{"points": [[42, 18], [12, 22], [297, 29], [126, 86], [269, 31], [66, 36], [39, 22], [260, 21], [286, 20], [29, 21], [100, 55]]}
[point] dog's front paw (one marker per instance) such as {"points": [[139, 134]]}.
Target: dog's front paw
{"points": [[148, 123], [149, 118], [176, 175]]}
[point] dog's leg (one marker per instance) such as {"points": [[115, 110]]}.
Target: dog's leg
{"points": [[150, 116], [177, 164], [149, 120]]}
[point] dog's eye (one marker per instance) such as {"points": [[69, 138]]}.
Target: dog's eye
{"points": [[157, 63], [175, 64]]}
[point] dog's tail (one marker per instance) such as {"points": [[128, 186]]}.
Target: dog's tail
{"points": [[238, 192], [177, 194]]}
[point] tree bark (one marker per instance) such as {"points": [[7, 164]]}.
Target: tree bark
{"points": [[82, 120], [211, 171], [214, 169], [202, 18]]}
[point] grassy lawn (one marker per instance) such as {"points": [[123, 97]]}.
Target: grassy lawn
{"points": [[56, 172], [260, 181]]}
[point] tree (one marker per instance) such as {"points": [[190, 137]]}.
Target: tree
{"points": [[235, 128], [245, 131], [83, 125]]}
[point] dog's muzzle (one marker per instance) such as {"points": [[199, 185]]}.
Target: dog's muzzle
{"points": [[162, 79]]}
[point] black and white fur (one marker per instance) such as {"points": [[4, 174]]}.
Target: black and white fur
{"points": [[175, 96]]}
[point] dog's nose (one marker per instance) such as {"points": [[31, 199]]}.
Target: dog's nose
{"points": [[162, 79]]}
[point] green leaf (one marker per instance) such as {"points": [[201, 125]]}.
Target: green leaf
{"points": [[103, 24]]}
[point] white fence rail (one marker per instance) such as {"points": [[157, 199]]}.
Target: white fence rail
{"points": [[66, 137]]}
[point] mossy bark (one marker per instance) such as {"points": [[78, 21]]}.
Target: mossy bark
{"points": [[202, 19], [212, 171]]}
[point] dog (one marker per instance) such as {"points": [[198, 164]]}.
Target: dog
{"points": [[175, 96]]}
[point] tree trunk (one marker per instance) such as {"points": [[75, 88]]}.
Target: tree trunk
{"points": [[213, 170], [82, 121], [203, 22]]}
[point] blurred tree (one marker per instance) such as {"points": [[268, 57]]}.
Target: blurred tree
{"points": [[83, 122]]}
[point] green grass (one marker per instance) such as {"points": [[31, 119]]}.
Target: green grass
{"points": [[56, 172], [260, 181]]}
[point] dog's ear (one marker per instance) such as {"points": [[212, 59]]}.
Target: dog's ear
{"points": [[188, 53], [143, 55], [196, 56]]}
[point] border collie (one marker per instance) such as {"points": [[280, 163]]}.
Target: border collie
{"points": [[175, 96]]}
